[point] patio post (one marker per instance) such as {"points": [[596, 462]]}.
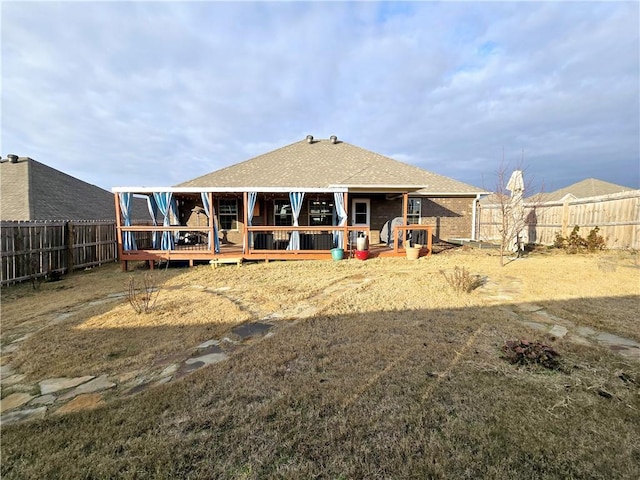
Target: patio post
{"points": [[245, 214], [212, 243], [345, 238], [123, 263]]}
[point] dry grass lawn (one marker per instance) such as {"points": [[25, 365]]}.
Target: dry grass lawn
{"points": [[398, 376]]}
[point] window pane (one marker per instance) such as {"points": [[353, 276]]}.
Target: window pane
{"points": [[228, 213], [282, 213], [320, 212]]}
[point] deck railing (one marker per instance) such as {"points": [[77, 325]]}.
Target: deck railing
{"points": [[261, 239], [275, 239], [413, 234]]}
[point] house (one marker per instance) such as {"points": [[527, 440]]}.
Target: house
{"points": [[300, 201], [589, 187], [30, 190]]}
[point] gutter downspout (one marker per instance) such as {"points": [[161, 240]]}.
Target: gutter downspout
{"points": [[474, 215]]}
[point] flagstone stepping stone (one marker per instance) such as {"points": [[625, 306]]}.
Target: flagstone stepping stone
{"points": [[43, 400], [53, 385], [623, 346], [535, 325], [6, 370], [12, 380], [586, 331], [96, 385], [208, 343], [137, 389], [247, 330], [163, 380], [11, 348], [558, 331], [186, 368], [22, 415], [14, 400], [81, 402], [170, 370], [208, 359], [530, 307]]}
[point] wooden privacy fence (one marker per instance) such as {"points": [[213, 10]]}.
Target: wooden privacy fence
{"points": [[616, 215], [34, 249]]}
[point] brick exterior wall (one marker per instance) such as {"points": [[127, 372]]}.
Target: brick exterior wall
{"points": [[450, 216]]}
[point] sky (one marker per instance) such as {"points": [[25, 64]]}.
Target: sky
{"points": [[157, 93]]}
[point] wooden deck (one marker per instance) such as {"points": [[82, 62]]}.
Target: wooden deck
{"points": [[233, 252], [203, 252]]}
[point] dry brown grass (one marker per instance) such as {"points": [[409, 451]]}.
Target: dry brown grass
{"points": [[400, 377]]}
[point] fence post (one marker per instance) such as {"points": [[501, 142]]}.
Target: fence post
{"points": [[565, 218], [69, 232]]}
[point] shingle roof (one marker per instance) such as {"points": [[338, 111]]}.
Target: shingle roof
{"points": [[31, 190], [323, 164], [589, 187]]}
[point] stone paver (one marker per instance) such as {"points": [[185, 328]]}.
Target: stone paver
{"points": [[81, 402], [14, 401], [95, 385], [208, 359], [535, 325], [558, 331], [12, 379], [170, 370], [208, 343], [247, 330], [53, 385], [43, 400], [6, 370], [23, 415]]}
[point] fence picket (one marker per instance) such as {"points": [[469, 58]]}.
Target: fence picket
{"points": [[616, 215], [34, 249]]}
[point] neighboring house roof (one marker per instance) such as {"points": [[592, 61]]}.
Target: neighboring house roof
{"points": [[324, 164], [589, 187], [30, 190]]}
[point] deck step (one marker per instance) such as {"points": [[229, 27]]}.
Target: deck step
{"points": [[218, 261]]}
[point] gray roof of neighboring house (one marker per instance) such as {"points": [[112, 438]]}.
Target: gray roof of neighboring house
{"points": [[30, 190], [589, 187], [323, 164]]}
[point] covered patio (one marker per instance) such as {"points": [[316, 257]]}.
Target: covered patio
{"points": [[269, 223]]}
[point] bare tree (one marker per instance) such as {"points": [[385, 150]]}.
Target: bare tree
{"points": [[513, 218]]}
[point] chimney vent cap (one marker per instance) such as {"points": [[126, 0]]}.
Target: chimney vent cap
{"points": [[309, 138], [333, 139], [12, 158]]}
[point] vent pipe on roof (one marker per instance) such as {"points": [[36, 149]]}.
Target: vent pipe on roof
{"points": [[13, 158], [333, 139], [309, 138]]}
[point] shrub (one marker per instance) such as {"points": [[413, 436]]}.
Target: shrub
{"points": [[143, 300], [461, 280], [574, 243], [594, 241]]}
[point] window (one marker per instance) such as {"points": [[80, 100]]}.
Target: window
{"points": [[320, 212], [228, 213], [282, 216], [414, 211]]}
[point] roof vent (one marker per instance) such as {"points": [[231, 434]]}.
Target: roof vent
{"points": [[309, 138], [333, 139], [12, 158]]}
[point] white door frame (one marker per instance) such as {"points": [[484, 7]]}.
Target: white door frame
{"points": [[366, 201]]}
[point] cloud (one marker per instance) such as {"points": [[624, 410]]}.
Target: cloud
{"points": [[158, 93]]}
